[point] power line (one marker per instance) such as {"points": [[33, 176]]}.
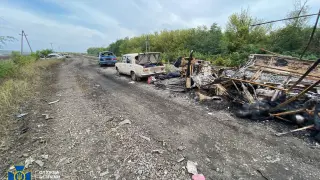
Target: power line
{"points": [[27, 41], [22, 34], [311, 37], [285, 19], [10, 23]]}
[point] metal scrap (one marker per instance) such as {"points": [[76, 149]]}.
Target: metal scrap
{"points": [[267, 86]]}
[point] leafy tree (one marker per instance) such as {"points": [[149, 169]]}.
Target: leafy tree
{"points": [[44, 52], [229, 48], [5, 39], [293, 36]]}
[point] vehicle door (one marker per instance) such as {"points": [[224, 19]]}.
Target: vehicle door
{"points": [[121, 65], [128, 65]]}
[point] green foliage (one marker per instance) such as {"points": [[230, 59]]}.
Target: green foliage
{"points": [[42, 53], [21, 60], [239, 34], [7, 68], [5, 39], [229, 48]]}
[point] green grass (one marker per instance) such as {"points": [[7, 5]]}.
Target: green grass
{"points": [[19, 78]]}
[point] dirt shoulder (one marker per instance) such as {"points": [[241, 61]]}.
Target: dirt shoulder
{"points": [[106, 128], [28, 134]]}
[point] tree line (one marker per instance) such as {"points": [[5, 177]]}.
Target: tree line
{"points": [[229, 47]]}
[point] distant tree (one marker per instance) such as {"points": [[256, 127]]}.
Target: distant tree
{"points": [[5, 39], [44, 52], [242, 39], [229, 48], [294, 35], [239, 33]]}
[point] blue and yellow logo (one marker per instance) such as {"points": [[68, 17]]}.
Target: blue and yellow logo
{"points": [[19, 174]]}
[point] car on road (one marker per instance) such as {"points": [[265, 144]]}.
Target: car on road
{"points": [[107, 58], [66, 55], [55, 56], [140, 65]]}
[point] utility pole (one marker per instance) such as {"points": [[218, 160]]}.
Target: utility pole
{"points": [[147, 42], [51, 46], [27, 41], [21, 42]]}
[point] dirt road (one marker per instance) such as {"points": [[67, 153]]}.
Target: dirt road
{"points": [[85, 139]]}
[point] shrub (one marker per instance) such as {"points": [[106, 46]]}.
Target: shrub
{"points": [[7, 68]]}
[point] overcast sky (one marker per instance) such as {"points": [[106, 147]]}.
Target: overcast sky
{"points": [[75, 25]]}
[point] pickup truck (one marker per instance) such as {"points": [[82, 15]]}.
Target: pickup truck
{"points": [[107, 58], [140, 65]]}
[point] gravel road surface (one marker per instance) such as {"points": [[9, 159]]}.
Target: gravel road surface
{"points": [[104, 127]]}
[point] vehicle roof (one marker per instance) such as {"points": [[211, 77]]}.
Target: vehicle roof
{"points": [[135, 54], [106, 52], [54, 54]]}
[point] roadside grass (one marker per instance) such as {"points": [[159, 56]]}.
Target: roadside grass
{"points": [[19, 78]]}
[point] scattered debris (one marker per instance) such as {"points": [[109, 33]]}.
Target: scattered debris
{"points": [[181, 159], [260, 172], [54, 101], [192, 167], [28, 162], [204, 97], [21, 115], [25, 155], [40, 163], [109, 118], [295, 130], [104, 173], [144, 137], [46, 116], [198, 177], [157, 151], [45, 156], [126, 121], [181, 148], [266, 87], [24, 130]]}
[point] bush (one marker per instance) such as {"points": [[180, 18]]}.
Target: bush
{"points": [[7, 68], [43, 53], [22, 60]]}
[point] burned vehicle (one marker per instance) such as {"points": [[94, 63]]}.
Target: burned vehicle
{"points": [[140, 65]]}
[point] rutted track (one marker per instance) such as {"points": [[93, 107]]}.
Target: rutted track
{"points": [[85, 141]]}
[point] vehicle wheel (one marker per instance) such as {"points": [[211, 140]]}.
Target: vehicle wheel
{"points": [[101, 65], [118, 72], [133, 76]]}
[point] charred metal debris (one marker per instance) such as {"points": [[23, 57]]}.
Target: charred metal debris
{"points": [[268, 86]]}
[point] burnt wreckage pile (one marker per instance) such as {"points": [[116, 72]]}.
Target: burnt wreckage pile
{"points": [[266, 87]]}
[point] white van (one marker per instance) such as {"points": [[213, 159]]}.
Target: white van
{"points": [[140, 65]]}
